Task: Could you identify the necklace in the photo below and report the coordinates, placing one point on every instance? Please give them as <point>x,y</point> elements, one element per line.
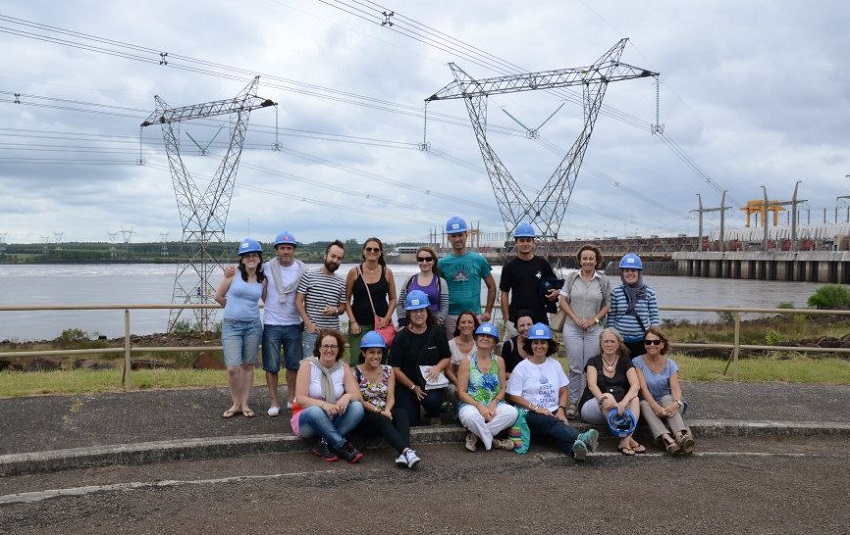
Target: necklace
<point>609,366</point>
<point>370,270</point>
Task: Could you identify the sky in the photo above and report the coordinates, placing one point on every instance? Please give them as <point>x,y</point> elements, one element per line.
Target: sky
<point>750,94</point>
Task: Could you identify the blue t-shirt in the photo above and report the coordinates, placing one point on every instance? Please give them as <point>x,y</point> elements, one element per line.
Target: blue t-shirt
<point>463,275</point>
<point>658,383</point>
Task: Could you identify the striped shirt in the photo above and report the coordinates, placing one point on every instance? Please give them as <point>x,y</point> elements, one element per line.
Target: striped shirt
<point>628,325</point>
<point>321,290</point>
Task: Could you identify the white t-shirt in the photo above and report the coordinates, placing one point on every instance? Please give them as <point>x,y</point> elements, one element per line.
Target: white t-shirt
<point>538,383</point>
<point>277,312</point>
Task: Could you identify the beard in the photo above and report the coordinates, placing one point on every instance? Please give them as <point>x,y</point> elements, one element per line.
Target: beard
<point>331,266</point>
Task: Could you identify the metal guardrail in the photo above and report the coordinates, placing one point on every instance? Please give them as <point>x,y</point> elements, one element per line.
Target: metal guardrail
<point>736,346</point>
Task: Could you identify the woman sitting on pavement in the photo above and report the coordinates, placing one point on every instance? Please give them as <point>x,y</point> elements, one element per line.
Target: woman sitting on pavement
<point>463,342</point>
<point>241,328</point>
<point>662,395</point>
<point>419,355</point>
<point>539,385</point>
<point>377,389</point>
<point>327,400</point>
<point>513,350</point>
<point>612,383</point>
<point>481,392</point>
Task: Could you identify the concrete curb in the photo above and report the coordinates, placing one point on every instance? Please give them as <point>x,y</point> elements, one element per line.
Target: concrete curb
<point>235,446</point>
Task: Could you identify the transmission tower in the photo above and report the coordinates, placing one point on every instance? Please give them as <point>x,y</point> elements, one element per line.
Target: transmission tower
<point>112,236</point>
<point>546,210</point>
<point>2,243</point>
<point>163,237</point>
<point>203,212</point>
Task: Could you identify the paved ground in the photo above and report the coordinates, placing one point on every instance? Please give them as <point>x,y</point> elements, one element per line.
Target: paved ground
<point>48,433</point>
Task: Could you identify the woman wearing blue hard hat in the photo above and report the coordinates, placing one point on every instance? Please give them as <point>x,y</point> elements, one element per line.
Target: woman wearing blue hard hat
<point>538,384</point>
<point>419,356</point>
<point>634,306</point>
<point>241,328</point>
<point>481,393</point>
<point>612,384</point>
<point>377,390</point>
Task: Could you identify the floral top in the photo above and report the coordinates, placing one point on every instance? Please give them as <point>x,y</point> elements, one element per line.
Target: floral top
<point>374,393</point>
<point>483,387</point>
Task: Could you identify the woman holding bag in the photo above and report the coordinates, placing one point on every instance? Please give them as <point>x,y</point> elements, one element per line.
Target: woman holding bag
<point>370,296</point>
<point>419,355</point>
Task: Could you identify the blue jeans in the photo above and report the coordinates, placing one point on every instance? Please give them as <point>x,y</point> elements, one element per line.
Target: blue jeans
<point>287,336</point>
<point>240,341</point>
<point>315,421</point>
<point>308,343</point>
<point>562,435</point>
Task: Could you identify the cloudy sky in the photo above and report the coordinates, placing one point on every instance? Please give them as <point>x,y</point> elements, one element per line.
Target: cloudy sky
<point>751,93</point>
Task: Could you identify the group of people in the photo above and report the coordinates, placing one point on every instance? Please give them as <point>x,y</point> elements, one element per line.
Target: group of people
<point>445,349</point>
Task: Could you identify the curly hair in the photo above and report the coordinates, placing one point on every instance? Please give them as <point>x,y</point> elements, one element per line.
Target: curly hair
<point>340,342</point>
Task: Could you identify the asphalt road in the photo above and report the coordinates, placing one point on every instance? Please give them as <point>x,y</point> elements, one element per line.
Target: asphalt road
<point>781,485</point>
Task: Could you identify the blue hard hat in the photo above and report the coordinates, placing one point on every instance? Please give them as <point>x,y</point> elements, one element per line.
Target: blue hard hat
<point>524,230</point>
<point>621,425</point>
<point>285,238</point>
<point>631,261</point>
<point>456,225</point>
<point>539,331</point>
<point>372,339</point>
<point>416,300</point>
<point>488,329</point>
<point>249,246</point>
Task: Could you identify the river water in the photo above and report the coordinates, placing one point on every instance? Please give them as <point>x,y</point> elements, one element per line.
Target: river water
<point>153,284</point>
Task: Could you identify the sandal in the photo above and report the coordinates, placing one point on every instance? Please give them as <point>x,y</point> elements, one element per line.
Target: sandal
<point>686,442</point>
<point>230,413</point>
<point>626,450</point>
<point>636,446</point>
<point>247,413</point>
<point>670,445</point>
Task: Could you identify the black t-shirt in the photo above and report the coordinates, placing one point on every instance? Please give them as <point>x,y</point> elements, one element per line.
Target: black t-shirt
<point>361,306</point>
<point>410,350</point>
<point>510,352</point>
<point>617,385</point>
<point>522,279</point>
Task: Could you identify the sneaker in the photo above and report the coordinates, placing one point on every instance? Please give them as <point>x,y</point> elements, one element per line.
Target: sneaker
<point>322,450</point>
<point>412,459</point>
<point>503,444</point>
<point>401,460</point>
<point>590,439</point>
<point>520,433</point>
<point>579,450</point>
<point>471,442</point>
<point>350,453</point>
<point>274,411</point>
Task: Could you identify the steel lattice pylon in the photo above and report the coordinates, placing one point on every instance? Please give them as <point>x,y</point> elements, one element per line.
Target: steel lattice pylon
<point>203,214</point>
<point>546,210</point>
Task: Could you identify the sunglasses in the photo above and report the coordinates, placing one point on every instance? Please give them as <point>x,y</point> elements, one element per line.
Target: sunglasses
<point>424,259</point>
<point>372,249</point>
<point>653,342</point>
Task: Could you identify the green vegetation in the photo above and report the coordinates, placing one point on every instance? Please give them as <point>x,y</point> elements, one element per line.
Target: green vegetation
<point>830,297</point>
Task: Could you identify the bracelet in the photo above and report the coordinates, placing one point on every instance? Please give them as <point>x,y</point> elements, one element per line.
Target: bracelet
<point>413,386</point>
<point>596,320</point>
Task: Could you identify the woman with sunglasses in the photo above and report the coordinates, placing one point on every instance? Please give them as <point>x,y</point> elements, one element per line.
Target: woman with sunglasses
<point>241,328</point>
<point>612,383</point>
<point>369,294</point>
<point>661,394</point>
<point>538,384</point>
<point>430,281</point>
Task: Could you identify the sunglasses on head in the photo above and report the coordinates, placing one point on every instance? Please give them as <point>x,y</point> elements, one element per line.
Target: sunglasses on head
<point>653,342</point>
<point>424,259</point>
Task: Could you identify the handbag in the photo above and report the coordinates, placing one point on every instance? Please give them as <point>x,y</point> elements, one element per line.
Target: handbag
<point>388,331</point>
<point>557,323</point>
<point>433,384</point>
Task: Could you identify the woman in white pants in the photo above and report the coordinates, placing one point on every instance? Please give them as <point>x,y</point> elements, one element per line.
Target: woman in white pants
<point>585,298</point>
<point>481,393</point>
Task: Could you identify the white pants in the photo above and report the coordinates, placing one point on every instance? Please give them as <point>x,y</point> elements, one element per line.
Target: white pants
<point>471,419</point>
<point>581,346</point>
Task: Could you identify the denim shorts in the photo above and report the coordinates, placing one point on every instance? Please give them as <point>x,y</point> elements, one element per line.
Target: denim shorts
<point>241,341</point>
<point>289,338</point>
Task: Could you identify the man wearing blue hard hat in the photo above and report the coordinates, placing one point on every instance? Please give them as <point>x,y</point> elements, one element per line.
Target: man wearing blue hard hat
<point>528,281</point>
<point>464,270</point>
